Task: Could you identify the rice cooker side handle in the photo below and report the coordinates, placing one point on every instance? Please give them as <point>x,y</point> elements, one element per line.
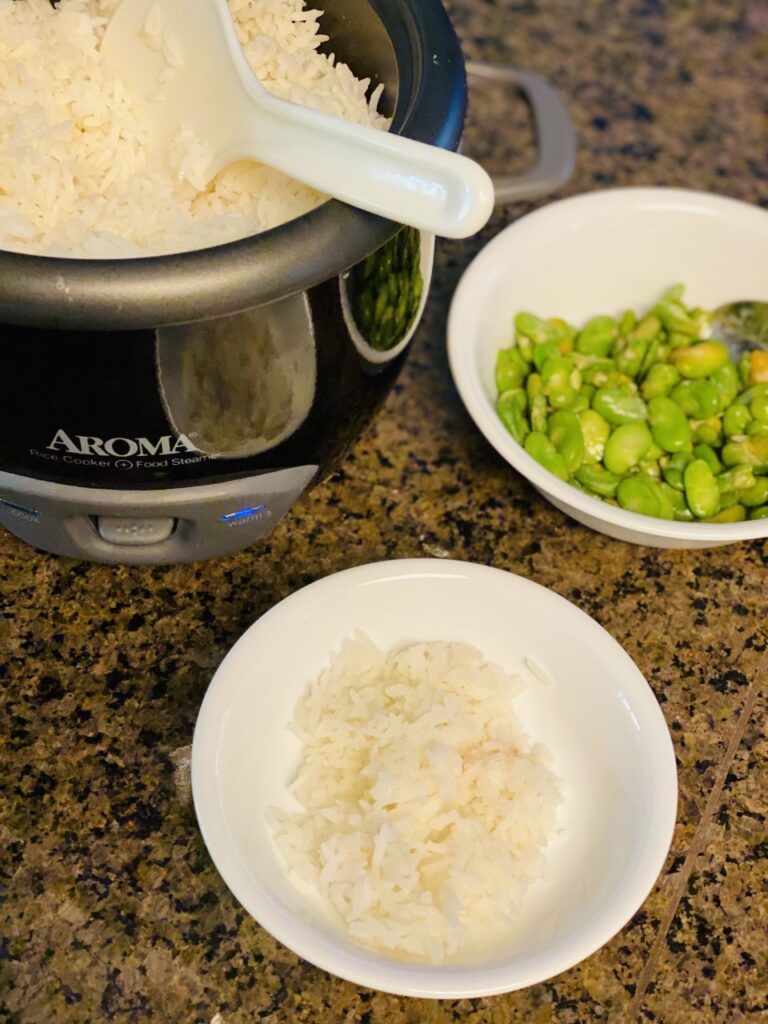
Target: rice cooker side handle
<point>555,134</point>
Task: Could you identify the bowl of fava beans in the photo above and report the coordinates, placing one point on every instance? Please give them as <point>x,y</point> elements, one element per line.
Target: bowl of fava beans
<point>582,341</point>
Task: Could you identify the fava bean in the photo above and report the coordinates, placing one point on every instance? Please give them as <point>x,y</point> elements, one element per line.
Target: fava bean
<point>538,330</point>
<point>757,494</point>
<point>757,428</point>
<point>630,358</point>
<point>618,406</point>
<point>626,446</point>
<point>564,431</point>
<point>726,382</point>
<point>597,479</point>
<point>733,514</point>
<point>697,398</point>
<point>672,469</point>
<point>541,448</point>
<point>511,407</point>
<point>538,413</point>
<point>708,431</point>
<point>561,381</point>
<point>700,360</point>
<point>709,455</point>
<point>735,419</point>
<point>511,369</point>
<point>738,478</point>
<point>701,490</point>
<point>669,425</point>
<point>595,431</point>
<point>543,351</point>
<point>759,513</point>
<point>660,380</point>
<point>638,495</point>
<point>597,336</point>
<point>751,451</point>
<point>757,364</point>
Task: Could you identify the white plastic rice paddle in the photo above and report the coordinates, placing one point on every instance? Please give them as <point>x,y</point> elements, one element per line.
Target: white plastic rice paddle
<point>184,63</point>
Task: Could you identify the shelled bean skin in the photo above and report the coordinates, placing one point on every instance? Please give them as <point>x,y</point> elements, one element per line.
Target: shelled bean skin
<point>644,412</point>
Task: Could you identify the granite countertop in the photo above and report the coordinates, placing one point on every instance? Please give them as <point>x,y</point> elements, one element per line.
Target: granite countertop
<point>111,909</point>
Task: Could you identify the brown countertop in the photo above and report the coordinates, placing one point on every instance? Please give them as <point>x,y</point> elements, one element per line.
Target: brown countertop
<point>111,909</point>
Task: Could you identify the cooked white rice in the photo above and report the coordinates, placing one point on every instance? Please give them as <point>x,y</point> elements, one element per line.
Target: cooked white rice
<point>426,808</point>
<point>74,179</point>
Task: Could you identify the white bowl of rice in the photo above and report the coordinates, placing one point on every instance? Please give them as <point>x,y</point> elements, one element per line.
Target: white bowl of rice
<point>477,792</point>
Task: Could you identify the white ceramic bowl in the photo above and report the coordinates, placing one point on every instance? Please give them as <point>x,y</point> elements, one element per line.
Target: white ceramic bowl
<point>603,252</point>
<point>598,716</point>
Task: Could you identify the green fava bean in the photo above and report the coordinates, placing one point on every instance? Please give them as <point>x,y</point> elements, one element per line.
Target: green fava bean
<point>737,478</point>
<point>669,425</point>
<point>561,381</point>
<point>539,447</point>
<point>638,495</point>
<point>649,467</point>
<point>708,431</point>
<point>759,408</point>
<point>736,419</point>
<point>538,413</point>
<point>751,451</point>
<point>543,352</point>
<point>627,322</point>
<point>583,400</point>
<point>700,360</point>
<point>626,446</point>
<point>709,455</point>
<point>630,359</point>
<point>534,386</point>
<point>597,336</point>
<point>511,369</point>
<point>619,406</point>
<point>701,490</point>
<point>726,383</point>
<point>597,479</point>
<point>660,380</point>
<point>666,504</point>
<point>757,429</point>
<point>647,329</point>
<point>759,513</point>
<point>672,469</point>
<point>510,407</point>
<point>732,514</point>
<point>595,431</point>
<point>598,371</point>
<point>564,431</point>
<point>756,495</point>
<point>673,499</point>
<point>538,330</point>
<point>697,398</point>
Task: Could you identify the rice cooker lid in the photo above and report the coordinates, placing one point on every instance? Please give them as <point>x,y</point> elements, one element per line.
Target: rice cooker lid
<point>153,291</point>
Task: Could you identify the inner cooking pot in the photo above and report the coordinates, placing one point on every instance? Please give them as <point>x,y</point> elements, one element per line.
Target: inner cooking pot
<point>412,49</point>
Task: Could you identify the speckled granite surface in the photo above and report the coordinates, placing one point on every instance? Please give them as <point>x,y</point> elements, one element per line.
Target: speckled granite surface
<point>111,909</point>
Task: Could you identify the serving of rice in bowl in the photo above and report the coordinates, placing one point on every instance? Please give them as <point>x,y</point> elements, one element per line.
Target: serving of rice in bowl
<point>74,176</point>
<point>434,778</point>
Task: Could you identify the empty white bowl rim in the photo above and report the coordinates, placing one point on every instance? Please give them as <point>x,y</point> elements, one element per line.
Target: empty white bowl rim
<point>469,302</point>
<point>366,968</point>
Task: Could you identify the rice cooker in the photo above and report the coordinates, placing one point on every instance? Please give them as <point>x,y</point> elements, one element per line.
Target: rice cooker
<point>173,408</point>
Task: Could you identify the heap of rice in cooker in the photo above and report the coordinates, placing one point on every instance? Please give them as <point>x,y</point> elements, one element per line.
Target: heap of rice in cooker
<point>426,808</point>
<point>74,179</point>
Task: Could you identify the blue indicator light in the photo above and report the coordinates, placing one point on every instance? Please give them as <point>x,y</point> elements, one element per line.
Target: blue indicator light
<point>243,512</point>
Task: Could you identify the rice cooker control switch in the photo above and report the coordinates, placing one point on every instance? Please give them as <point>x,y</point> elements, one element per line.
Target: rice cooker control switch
<point>134,530</point>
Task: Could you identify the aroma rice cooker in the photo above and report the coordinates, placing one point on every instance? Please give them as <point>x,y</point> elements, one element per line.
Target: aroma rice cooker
<point>172,408</point>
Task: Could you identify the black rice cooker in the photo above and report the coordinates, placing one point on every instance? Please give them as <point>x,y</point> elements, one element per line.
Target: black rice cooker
<point>172,408</point>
